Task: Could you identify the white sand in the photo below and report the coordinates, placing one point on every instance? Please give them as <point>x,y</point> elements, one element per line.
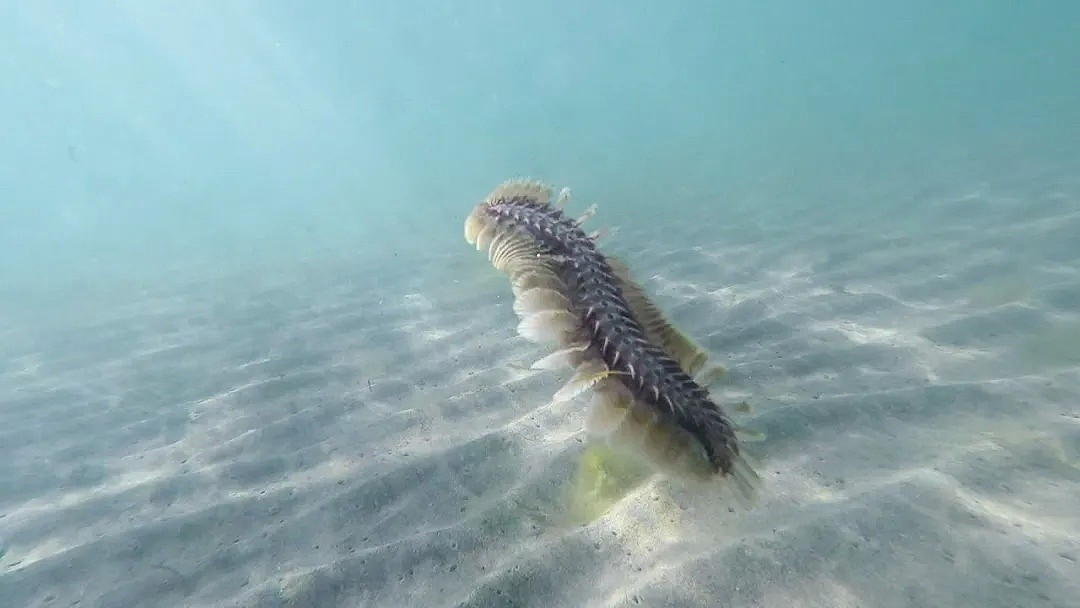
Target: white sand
<point>348,436</point>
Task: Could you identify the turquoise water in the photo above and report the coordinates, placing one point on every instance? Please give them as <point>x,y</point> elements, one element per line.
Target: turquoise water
<point>142,135</point>
<point>247,358</point>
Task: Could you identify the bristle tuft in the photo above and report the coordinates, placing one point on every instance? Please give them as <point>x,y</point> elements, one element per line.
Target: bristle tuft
<point>549,326</point>
<point>521,189</point>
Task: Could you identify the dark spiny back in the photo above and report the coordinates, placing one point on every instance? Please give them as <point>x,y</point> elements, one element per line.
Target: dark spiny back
<point>647,370</point>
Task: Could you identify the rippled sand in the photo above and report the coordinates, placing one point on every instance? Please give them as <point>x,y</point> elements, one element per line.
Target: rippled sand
<point>350,434</point>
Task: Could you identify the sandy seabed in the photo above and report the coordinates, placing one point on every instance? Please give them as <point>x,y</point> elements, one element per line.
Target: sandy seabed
<point>359,434</point>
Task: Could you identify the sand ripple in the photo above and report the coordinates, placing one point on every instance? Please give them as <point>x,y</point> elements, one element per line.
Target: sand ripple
<point>344,435</point>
